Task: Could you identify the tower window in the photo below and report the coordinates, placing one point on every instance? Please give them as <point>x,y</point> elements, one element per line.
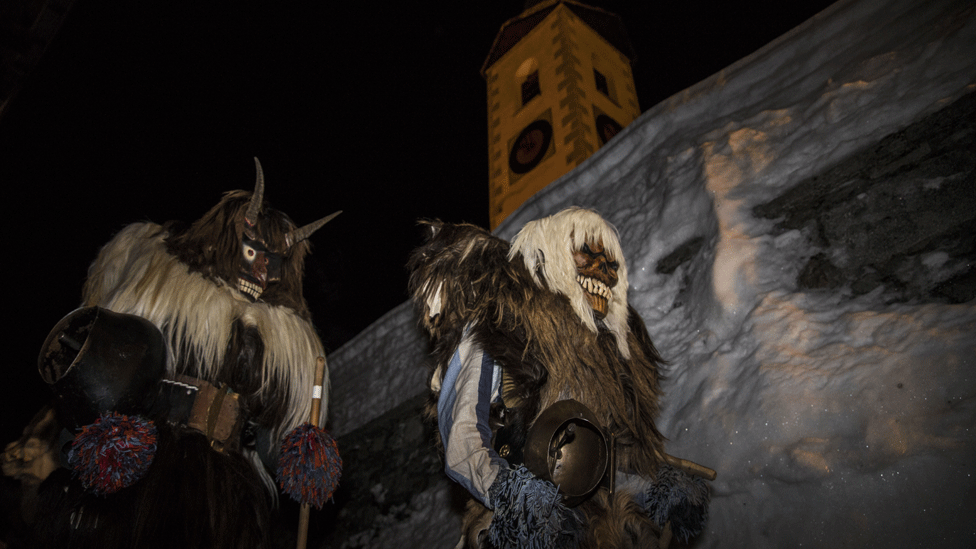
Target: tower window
<point>601,83</point>
<point>530,87</point>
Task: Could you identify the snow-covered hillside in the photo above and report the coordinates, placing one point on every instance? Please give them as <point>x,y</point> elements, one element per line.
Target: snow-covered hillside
<point>833,419</point>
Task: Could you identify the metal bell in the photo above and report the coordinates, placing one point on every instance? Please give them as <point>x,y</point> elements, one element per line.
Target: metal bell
<point>567,447</point>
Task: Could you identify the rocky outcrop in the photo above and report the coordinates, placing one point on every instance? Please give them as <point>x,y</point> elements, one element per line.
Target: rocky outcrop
<point>899,217</point>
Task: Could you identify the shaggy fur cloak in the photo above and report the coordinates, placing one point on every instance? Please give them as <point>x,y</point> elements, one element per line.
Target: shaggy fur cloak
<point>183,280</point>
<point>465,278</point>
<point>265,352</point>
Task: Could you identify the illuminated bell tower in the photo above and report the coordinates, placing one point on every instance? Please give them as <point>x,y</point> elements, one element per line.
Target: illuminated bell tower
<point>559,86</point>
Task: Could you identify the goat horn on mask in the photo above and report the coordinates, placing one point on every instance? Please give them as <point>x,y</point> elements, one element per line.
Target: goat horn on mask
<point>302,233</point>
<point>254,207</point>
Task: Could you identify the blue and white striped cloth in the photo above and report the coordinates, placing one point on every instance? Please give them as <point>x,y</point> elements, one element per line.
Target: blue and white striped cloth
<point>470,385</point>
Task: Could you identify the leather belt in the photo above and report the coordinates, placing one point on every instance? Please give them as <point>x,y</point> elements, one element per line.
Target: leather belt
<point>214,410</point>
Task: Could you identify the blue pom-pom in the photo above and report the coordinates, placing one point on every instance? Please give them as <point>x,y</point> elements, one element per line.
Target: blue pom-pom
<point>678,498</point>
<point>113,453</point>
<point>529,513</point>
<point>309,466</point>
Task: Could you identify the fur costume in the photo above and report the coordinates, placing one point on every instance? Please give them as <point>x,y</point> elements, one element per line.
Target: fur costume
<point>524,307</point>
<point>253,337</point>
<point>209,325</point>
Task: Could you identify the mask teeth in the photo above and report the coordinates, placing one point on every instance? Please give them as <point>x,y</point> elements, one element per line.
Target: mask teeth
<point>594,286</point>
<point>249,288</point>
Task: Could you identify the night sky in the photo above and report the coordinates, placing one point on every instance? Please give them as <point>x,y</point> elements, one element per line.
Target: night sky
<point>150,110</point>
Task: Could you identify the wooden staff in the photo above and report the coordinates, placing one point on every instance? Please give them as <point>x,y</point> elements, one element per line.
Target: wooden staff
<point>690,467</point>
<point>303,514</point>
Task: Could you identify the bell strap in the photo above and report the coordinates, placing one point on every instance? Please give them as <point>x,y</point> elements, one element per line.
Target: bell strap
<point>214,410</point>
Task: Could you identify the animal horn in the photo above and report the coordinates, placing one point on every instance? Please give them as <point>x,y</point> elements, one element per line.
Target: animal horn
<point>251,216</point>
<point>302,233</point>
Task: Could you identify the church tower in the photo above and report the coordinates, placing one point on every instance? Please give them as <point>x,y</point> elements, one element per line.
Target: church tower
<point>559,86</point>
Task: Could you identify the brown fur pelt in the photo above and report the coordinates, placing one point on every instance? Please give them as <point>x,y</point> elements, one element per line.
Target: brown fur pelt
<point>580,365</point>
<point>617,522</point>
<point>456,278</point>
<point>465,278</point>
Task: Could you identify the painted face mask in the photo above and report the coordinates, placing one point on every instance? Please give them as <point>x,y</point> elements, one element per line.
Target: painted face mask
<point>596,274</point>
<point>260,265</point>
<point>259,268</point>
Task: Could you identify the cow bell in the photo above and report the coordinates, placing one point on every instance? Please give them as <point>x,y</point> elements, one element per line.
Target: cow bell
<point>567,447</point>
<point>98,361</point>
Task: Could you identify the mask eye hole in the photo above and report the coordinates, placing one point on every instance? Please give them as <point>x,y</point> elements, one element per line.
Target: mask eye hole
<point>249,253</point>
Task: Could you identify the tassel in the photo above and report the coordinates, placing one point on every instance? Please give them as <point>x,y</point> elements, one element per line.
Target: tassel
<point>309,466</point>
<point>678,498</point>
<point>113,453</point>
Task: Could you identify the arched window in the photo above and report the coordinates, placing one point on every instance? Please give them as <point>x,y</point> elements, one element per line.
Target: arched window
<point>528,77</point>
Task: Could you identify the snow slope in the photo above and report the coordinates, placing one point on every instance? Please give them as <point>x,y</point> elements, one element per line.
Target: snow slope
<point>832,420</point>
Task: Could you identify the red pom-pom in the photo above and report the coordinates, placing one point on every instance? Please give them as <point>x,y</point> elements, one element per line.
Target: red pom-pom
<point>114,452</point>
<point>309,466</point>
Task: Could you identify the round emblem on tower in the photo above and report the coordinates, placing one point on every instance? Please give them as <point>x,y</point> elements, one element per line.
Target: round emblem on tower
<point>530,147</point>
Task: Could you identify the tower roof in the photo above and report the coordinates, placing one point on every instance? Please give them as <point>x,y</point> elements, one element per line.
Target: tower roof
<point>606,24</point>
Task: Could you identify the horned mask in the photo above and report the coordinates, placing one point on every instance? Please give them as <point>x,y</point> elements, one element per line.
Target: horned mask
<point>260,262</point>
<point>244,242</point>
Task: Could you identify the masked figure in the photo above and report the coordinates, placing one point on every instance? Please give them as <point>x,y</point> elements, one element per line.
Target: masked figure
<point>227,294</point>
<point>236,364</point>
<point>545,388</point>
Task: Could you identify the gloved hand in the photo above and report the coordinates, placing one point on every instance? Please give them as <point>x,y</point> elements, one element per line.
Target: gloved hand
<point>530,513</point>
<point>678,498</point>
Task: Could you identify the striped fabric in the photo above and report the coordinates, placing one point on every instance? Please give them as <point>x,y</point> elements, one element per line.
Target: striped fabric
<point>470,385</point>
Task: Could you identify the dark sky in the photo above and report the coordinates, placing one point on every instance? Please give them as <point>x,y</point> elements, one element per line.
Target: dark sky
<point>150,110</point>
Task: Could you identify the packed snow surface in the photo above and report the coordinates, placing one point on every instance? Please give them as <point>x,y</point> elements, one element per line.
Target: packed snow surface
<point>832,420</point>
